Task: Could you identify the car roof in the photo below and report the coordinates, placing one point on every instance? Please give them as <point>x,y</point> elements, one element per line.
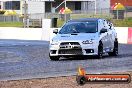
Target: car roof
<point>84,19</point>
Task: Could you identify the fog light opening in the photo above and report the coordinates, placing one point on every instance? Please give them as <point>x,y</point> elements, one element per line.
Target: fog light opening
<point>89,50</point>
<point>53,51</point>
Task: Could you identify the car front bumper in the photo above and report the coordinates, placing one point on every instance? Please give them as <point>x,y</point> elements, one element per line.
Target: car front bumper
<point>85,49</point>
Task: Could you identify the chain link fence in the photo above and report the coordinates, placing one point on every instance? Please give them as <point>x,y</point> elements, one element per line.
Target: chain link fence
<point>35,20</point>
<point>106,13</point>
<point>14,18</point>
<point>99,13</point>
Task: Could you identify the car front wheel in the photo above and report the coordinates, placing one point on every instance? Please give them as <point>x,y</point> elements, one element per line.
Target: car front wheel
<point>100,51</point>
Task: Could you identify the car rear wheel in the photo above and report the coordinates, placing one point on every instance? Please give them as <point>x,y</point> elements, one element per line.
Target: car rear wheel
<point>115,50</point>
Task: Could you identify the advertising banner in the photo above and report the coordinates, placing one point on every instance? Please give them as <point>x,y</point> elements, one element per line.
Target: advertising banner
<point>129,36</point>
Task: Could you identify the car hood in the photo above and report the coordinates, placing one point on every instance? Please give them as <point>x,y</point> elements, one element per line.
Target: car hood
<point>75,37</point>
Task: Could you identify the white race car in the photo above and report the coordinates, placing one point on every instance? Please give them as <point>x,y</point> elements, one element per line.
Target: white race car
<point>82,37</point>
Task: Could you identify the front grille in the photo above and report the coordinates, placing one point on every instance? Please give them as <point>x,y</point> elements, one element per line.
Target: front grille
<point>71,51</point>
<point>71,43</point>
<point>70,47</point>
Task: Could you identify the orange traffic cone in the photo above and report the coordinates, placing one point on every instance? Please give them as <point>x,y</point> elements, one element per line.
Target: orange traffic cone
<point>81,71</point>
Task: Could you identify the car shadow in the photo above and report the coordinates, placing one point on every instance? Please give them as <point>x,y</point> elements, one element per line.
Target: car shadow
<point>95,58</point>
<point>79,58</point>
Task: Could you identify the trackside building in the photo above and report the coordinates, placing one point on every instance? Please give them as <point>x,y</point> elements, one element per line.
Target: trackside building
<point>42,6</point>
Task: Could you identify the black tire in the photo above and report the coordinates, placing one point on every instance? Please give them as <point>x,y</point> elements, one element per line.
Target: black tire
<point>81,80</point>
<point>115,50</point>
<point>100,51</point>
<point>54,58</point>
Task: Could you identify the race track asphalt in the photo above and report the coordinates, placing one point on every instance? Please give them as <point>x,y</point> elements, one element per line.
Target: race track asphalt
<point>22,59</point>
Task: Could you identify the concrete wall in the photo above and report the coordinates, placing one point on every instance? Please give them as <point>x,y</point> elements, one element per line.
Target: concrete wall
<point>124,34</point>
<point>35,7</point>
<point>101,5</point>
<point>21,33</point>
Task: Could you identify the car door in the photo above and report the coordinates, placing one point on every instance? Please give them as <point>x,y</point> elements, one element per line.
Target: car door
<point>109,39</point>
<point>110,36</point>
<point>104,35</point>
<point>105,39</point>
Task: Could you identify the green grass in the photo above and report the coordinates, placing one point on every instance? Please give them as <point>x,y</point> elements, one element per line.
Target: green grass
<point>78,16</point>
<point>11,24</point>
<point>127,22</point>
<point>122,23</point>
<point>60,23</point>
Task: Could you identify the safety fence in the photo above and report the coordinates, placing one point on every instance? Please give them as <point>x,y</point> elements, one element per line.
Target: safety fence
<point>91,13</point>
<point>35,20</point>
<point>14,18</point>
<point>103,13</point>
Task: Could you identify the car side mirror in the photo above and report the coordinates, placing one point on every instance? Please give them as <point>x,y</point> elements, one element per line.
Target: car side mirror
<point>55,31</point>
<point>103,30</point>
<point>110,25</point>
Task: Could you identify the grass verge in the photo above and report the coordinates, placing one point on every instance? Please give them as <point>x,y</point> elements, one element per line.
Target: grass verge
<point>11,24</point>
<point>127,22</point>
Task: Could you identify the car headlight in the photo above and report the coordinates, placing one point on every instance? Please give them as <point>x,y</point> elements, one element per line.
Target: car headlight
<point>54,42</point>
<point>88,41</point>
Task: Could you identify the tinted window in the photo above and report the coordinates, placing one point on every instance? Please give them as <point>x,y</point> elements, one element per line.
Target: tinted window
<point>79,27</point>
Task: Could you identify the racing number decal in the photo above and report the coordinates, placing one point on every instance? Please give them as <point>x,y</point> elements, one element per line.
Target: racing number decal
<point>129,36</point>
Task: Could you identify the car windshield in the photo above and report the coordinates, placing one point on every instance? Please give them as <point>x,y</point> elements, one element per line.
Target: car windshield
<point>79,27</point>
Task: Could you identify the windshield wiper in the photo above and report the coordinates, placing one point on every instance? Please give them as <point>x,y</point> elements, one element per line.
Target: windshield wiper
<point>74,34</point>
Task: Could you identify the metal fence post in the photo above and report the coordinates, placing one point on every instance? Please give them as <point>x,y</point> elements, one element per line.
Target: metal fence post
<point>44,9</point>
<point>126,13</point>
<point>110,14</point>
<point>25,7</point>
<point>101,12</point>
<point>117,14</point>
